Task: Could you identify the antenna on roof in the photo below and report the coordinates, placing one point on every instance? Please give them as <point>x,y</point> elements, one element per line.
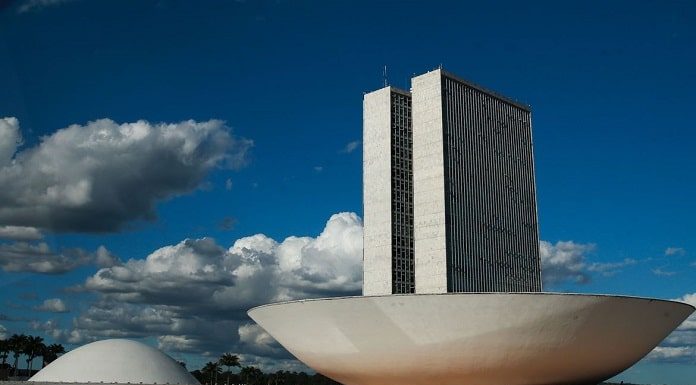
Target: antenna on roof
<point>384,76</point>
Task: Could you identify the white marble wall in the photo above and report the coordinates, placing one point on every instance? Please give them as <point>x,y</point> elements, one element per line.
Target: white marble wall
<point>428,184</point>
<point>377,275</point>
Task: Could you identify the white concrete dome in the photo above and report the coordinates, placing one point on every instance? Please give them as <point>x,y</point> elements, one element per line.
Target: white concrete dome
<point>115,361</point>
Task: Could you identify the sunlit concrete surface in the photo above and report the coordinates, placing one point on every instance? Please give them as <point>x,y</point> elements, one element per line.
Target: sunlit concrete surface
<point>115,361</point>
<point>481,339</point>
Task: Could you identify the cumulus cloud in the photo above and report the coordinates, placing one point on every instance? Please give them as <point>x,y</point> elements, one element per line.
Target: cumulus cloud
<point>679,354</point>
<point>256,341</point>
<point>690,323</point>
<point>194,295</point>
<point>52,328</point>
<point>350,147</point>
<point>3,332</point>
<point>566,261</point>
<point>99,176</point>
<point>20,233</point>
<point>39,258</point>
<point>255,269</point>
<point>53,305</point>
<point>104,258</point>
<point>10,139</point>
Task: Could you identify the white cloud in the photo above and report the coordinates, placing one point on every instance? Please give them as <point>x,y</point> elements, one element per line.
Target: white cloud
<point>318,168</point>
<point>53,305</point>
<point>609,269</point>
<point>194,295</point>
<point>673,354</point>
<point>255,269</point>
<point>257,341</point>
<point>663,273</point>
<point>52,328</point>
<point>10,139</point>
<point>674,251</point>
<point>39,258</point>
<point>680,345</point>
<point>690,323</point>
<point>104,258</point>
<point>20,233</point>
<point>685,335</point>
<point>350,147</point>
<point>178,343</point>
<point>101,175</point>
<point>3,332</point>
<point>564,261</point>
<point>35,5</point>
<point>228,184</point>
<point>273,364</point>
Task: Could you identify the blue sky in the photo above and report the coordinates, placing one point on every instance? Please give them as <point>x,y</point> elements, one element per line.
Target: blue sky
<point>273,91</point>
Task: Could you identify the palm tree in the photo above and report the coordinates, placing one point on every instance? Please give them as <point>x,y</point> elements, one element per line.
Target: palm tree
<point>17,343</point>
<point>250,374</point>
<point>212,369</point>
<point>4,351</point>
<point>33,348</point>
<point>51,352</point>
<point>229,360</point>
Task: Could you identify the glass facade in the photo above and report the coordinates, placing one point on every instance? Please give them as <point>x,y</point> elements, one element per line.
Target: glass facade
<point>403,272</point>
<point>490,198</point>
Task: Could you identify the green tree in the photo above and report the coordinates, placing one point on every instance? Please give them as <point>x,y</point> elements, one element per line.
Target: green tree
<point>212,369</point>
<point>4,350</point>
<point>50,353</point>
<point>251,375</point>
<point>33,348</point>
<point>17,343</point>
<point>229,360</point>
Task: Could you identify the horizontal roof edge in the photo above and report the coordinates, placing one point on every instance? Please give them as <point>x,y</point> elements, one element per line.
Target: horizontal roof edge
<point>496,95</point>
<point>393,89</point>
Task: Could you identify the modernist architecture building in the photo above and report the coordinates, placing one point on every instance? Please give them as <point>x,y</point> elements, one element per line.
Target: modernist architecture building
<point>450,207</point>
<point>449,193</point>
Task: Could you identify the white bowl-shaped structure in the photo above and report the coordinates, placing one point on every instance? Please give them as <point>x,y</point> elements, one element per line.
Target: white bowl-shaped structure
<point>115,361</point>
<point>481,339</point>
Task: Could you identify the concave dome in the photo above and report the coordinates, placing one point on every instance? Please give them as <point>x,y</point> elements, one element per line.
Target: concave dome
<point>115,361</point>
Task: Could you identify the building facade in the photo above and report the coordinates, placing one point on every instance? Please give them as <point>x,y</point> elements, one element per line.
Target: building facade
<point>389,266</point>
<point>449,192</point>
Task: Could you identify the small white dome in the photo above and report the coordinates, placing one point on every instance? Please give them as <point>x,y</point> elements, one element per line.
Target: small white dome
<point>116,361</point>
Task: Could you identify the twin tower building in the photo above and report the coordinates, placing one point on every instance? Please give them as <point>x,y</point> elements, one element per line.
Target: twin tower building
<point>449,192</point>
